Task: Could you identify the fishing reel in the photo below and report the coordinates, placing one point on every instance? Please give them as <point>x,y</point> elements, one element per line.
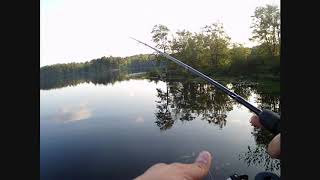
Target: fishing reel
<point>238,177</point>
<point>259,176</point>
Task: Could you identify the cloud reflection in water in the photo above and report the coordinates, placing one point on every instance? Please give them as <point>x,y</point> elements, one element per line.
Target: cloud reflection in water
<point>72,113</point>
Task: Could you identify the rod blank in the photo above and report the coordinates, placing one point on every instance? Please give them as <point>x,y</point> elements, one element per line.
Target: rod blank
<point>208,79</point>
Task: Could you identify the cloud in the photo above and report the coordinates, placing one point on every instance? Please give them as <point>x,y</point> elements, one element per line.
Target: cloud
<point>131,94</point>
<point>72,113</point>
<point>139,119</point>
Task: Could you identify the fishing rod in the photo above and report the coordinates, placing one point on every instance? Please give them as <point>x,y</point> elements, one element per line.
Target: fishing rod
<point>269,119</point>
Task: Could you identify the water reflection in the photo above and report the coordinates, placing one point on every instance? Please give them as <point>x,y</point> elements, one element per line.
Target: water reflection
<point>69,114</point>
<point>267,98</point>
<point>139,119</point>
<point>268,94</point>
<point>185,101</point>
<point>55,82</point>
<point>258,156</point>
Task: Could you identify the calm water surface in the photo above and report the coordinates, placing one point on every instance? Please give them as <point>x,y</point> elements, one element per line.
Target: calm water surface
<point>117,130</point>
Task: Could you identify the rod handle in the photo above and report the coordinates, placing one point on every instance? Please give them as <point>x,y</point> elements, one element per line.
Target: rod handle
<point>270,120</point>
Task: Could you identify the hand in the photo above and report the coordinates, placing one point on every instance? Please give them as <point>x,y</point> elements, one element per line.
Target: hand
<point>274,145</point>
<point>178,171</point>
<point>254,120</point>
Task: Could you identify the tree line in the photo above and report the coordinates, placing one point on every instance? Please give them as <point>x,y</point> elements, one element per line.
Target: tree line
<point>212,51</point>
<point>100,67</point>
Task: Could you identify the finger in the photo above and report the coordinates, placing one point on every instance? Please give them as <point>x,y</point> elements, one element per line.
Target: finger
<point>158,165</point>
<point>255,121</point>
<point>200,168</point>
<point>151,171</point>
<point>254,118</point>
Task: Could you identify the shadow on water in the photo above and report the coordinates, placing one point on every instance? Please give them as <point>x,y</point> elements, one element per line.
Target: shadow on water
<point>185,100</point>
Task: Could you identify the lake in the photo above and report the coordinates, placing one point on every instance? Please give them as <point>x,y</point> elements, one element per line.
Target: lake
<point>116,128</point>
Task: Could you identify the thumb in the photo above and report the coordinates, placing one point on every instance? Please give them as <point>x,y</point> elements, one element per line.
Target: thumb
<point>200,168</point>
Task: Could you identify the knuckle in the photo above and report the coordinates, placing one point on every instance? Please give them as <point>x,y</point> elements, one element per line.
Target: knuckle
<point>161,164</point>
<point>202,168</point>
<point>177,165</point>
<point>158,165</point>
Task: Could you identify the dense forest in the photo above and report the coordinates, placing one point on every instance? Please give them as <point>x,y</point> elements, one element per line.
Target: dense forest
<point>96,69</point>
<point>210,51</point>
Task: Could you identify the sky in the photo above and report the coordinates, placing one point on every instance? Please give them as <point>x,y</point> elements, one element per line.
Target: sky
<point>82,30</point>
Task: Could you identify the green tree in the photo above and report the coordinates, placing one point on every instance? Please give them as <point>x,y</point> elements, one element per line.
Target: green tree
<point>185,47</point>
<point>160,36</point>
<point>217,42</point>
<point>238,56</point>
<point>266,28</point>
<point>239,53</point>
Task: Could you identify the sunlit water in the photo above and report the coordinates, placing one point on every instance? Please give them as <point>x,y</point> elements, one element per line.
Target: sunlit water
<point>110,132</point>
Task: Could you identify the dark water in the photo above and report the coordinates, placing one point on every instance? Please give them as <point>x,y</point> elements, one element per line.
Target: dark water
<point>115,128</point>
